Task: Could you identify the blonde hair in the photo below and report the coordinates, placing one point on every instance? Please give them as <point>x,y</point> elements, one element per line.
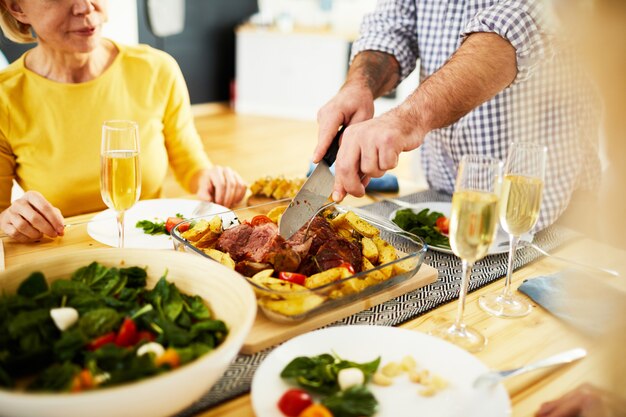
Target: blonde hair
<point>12,28</point>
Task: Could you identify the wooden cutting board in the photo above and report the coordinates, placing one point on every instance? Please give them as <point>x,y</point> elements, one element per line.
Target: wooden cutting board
<point>266,333</point>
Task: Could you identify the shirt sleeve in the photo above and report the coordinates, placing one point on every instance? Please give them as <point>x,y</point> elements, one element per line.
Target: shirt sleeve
<point>521,23</point>
<point>7,159</point>
<point>184,146</point>
<point>391,28</point>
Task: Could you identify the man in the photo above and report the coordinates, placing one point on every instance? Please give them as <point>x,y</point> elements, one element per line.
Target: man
<point>490,75</point>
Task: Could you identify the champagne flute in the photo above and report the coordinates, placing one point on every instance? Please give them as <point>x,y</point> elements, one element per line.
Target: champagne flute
<point>522,187</point>
<point>120,178</point>
<point>473,225</point>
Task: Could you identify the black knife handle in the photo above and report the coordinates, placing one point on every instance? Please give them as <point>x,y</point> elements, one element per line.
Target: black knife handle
<point>331,153</point>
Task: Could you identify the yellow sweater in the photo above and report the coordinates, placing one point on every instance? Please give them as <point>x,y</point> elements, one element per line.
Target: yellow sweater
<point>50,132</point>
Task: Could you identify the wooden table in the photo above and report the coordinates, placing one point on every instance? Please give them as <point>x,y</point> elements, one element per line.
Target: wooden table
<point>511,342</point>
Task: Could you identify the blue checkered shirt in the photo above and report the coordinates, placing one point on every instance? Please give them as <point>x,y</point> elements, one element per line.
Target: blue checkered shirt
<point>537,107</point>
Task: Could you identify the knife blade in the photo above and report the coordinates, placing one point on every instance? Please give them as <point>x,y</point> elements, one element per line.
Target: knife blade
<point>313,194</point>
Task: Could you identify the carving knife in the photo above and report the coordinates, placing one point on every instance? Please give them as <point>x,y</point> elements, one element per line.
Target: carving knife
<point>313,194</point>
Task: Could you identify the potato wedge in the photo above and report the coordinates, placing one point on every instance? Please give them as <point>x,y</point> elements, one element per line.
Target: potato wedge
<point>351,286</point>
<point>292,306</point>
<point>369,249</point>
<point>265,280</point>
<point>221,257</point>
<point>215,224</point>
<point>386,254</point>
<point>275,213</point>
<point>208,240</point>
<point>361,225</point>
<point>404,266</point>
<point>339,221</point>
<point>326,277</point>
<point>197,231</point>
<point>373,277</point>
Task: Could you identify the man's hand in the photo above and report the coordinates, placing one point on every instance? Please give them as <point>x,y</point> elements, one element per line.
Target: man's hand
<point>371,75</point>
<point>370,148</point>
<point>354,103</point>
<point>584,401</point>
<point>221,185</point>
<point>30,217</point>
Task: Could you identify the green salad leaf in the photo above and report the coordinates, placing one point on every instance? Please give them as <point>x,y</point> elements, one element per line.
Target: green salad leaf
<point>422,224</point>
<point>319,373</point>
<point>355,401</point>
<point>152,228</point>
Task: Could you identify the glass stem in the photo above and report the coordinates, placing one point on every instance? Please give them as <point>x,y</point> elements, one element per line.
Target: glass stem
<point>467,272</point>
<point>120,229</point>
<point>513,241</point>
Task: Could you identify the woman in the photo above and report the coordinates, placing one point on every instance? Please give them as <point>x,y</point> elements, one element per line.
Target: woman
<point>54,100</point>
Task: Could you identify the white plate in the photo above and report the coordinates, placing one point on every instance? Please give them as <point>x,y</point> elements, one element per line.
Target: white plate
<point>105,231</point>
<point>365,343</point>
<point>500,243</point>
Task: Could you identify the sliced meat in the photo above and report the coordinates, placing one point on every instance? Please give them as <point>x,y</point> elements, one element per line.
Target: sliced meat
<point>335,252</point>
<point>284,260</point>
<point>320,232</point>
<point>263,240</point>
<point>249,269</point>
<point>234,240</point>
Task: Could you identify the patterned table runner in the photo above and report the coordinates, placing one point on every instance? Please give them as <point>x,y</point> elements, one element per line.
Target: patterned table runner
<point>238,377</point>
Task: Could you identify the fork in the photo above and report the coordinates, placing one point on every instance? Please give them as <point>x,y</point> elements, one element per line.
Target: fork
<point>202,208</point>
<point>493,377</point>
<point>392,200</point>
<point>524,243</point>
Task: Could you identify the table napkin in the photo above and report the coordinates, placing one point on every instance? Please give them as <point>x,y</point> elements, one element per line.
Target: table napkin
<point>386,183</point>
<point>585,302</point>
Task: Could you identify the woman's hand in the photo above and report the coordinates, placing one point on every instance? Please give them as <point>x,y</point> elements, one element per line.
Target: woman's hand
<point>30,217</point>
<point>221,185</point>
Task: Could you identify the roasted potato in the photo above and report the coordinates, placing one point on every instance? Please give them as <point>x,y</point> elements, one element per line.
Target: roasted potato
<point>360,225</point>
<point>197,231</point>
<point>386,254</point>
<point>373,277</point>
<point>370,251</point>
<point>293,306</point>
<point>326,277</point>
<point>404,266</point>
<point>275,213</point>
<point>220,257</point>
<point>215,224</point>
<point>208,240</point>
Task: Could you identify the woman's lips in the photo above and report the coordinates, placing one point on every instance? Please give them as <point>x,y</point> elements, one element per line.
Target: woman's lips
<point>85,31</point>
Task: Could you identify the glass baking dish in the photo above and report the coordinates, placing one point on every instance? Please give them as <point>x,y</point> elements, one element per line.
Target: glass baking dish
<point>281,305</point>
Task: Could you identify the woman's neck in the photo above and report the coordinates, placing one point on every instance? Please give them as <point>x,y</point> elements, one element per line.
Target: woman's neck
<point>71,68</point>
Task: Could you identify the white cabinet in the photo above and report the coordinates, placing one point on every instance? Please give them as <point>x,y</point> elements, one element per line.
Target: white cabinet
<point>288,74</point>
<point>293,74</point>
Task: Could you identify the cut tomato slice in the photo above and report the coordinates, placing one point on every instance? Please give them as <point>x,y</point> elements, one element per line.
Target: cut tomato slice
<point>260,219</point>
<point>292,277</point>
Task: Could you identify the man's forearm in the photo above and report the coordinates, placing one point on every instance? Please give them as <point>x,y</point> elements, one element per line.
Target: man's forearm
<point>483,66</point>
<point>377,71</point>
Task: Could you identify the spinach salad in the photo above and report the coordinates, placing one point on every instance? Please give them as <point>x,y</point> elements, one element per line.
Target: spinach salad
<point>101,327</point>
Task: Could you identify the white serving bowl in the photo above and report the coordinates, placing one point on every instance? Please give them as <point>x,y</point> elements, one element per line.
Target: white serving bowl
<point>229,296</point>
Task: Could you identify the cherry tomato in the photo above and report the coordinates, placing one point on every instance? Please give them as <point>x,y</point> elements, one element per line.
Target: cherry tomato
<point>292,277</point>
<point>260,219</point>
<point>293,402</point>
<point>145,335</point>
<point>100,341</point>
<point>443,224</point>
<point>171,222</point>
<point>348,266</point>
<point>170,358</point>
<point>127,335</point>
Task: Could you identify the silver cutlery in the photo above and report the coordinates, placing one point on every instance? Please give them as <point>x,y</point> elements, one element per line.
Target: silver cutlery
<point>204,207</point>
<point>392,200</point>
<point>72,224</point>
<point>524,243</point>
<point>494,377</point>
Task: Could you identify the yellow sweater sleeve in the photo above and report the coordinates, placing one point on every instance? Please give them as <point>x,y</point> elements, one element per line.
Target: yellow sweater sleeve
<point>184,146</point>
<point>7,162</point>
